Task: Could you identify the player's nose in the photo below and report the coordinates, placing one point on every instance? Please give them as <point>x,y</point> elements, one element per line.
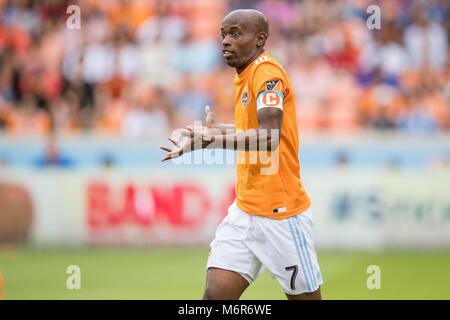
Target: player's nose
<point>226,42</point>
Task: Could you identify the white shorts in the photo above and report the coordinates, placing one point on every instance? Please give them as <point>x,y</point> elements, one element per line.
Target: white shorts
<point>247,244</point>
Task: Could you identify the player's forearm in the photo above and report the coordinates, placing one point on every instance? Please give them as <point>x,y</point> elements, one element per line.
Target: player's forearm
<point>226,128</point>
<point>250,140</point>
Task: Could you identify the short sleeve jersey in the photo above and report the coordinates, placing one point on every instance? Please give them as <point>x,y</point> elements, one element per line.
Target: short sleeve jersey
<point>268,183</point>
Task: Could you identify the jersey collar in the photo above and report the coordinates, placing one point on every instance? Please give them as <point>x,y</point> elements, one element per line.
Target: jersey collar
<point>244,73</point>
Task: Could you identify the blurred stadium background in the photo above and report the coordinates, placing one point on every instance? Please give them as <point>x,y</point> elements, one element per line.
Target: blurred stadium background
<point>84,111</point>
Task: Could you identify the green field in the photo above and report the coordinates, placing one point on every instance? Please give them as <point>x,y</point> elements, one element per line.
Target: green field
<point>180,274</point>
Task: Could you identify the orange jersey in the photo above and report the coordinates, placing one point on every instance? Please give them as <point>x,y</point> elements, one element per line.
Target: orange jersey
<point>268,183</point>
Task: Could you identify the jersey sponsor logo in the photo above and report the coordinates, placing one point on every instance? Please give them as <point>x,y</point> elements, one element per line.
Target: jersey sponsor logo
<point>271,84</point>
<point>245,99</point>
<point>270,98</point>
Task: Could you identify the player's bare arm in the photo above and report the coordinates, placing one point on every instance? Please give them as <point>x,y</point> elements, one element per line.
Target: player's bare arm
<point>266,137</point>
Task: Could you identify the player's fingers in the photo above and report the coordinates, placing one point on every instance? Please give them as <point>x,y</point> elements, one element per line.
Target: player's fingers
<point>172,155</point>
<point>188,132</point>
<point>174,142</point>
<point>166,158</point>
<point>209,118</point>
<point>165,149</point>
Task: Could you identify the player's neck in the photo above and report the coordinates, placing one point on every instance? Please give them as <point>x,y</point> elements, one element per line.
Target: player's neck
<point>256,55</point>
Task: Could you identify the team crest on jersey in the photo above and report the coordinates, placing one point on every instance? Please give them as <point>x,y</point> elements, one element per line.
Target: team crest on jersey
<point>271,84</point>
<point>245,99</point>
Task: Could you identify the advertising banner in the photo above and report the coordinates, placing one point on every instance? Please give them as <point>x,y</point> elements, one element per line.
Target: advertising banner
<point>182,206</point>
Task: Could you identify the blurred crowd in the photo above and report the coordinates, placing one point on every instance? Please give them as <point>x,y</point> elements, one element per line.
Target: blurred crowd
<point>145,67</point>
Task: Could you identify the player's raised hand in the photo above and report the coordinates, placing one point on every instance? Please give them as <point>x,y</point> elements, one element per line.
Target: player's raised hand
<point>172,153</point>
<point>210,118</point>
<point>198,135</point>
<point>195,140</point>
<point>208,126</point>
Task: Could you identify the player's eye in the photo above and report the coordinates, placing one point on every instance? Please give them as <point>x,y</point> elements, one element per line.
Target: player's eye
<point>235,34</point>
<point>223,35</point>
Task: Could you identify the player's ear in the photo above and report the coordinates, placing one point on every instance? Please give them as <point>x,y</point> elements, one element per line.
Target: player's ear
<point>261,39</point>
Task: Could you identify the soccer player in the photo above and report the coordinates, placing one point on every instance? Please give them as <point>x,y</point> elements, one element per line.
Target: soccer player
<point>269,224</point>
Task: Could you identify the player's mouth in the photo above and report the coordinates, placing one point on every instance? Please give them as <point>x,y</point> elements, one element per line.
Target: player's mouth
<point>227,53</point>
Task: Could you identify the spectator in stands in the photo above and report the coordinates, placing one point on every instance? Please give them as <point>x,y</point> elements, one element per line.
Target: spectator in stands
<point>149,117</point>
<point>425,40</point>
<point>327,49</point>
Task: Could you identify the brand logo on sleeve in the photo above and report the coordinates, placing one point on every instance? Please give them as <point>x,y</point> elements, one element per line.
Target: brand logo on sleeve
<point>271,84</point>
